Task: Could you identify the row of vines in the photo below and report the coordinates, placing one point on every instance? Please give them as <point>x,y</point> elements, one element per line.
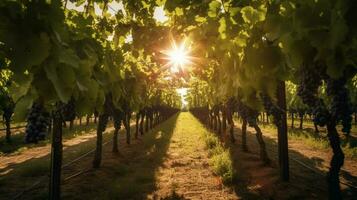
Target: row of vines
<point>58,64</point>
<point>245,54</point>
<point>274,57</point>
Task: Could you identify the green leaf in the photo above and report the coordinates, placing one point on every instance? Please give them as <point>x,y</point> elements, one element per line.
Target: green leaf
<point>69,57</point>
<point>272,27</point>
<point>62,78</point>
<point>251,15</point>
<point>171,5</point>
<point>222,28</point>
<point>338,30</point>
<point>335,65</point>
<point>23,105</point>
<point>33,52</point>
<point>214,7</point>
<point>160,2</point>
<point>200,19</point>
<point>20,85</point>
<point>234,11</point>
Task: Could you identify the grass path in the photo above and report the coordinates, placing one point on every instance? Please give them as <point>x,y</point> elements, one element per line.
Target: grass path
<point>186,168</point>
<point>171,157</point>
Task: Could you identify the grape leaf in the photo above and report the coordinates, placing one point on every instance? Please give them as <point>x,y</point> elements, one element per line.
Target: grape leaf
<point>21,84</point>
<point>251,15</point>
<point>214,7</point>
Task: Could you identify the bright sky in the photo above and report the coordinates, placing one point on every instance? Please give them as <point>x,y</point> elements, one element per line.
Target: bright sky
<point>159,14</point>
<point>182,92</point>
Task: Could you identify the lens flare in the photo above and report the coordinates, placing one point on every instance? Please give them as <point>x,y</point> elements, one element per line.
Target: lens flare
<point>178,56</point>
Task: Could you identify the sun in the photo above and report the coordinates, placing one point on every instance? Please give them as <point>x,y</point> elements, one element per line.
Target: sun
<point>178,56</point>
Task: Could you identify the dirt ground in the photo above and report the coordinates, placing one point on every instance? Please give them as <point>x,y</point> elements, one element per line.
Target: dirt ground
<point>317,158</point>
<point>169,159</point>
<point>41,151</point>
<point>171,162</point>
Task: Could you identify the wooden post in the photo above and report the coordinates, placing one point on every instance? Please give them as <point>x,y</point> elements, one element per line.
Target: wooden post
<point>56,157</point>
<point>102,124</point>
<point>8,129</point>
<point>283,133</point>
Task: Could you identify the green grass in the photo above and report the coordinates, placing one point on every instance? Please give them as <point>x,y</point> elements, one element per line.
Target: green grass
<point>310,139</point>
<point>318,141</point>
<point>350,151</point>
<point>220,158</point>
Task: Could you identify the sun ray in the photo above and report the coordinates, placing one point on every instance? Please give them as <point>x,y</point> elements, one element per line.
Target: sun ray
<point>178,56</point>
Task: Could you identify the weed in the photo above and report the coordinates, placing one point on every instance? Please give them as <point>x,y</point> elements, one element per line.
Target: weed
<point>220,158</point>
<point>222,166</point>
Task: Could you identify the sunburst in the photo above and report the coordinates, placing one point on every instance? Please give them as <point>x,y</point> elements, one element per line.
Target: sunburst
<point>178,56</point>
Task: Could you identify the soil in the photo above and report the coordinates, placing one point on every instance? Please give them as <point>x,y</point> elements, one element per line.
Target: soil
<point>37,152</point>
<point>171,162</point>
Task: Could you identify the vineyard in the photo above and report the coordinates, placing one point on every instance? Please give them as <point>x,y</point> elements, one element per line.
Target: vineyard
<point>178,99</point>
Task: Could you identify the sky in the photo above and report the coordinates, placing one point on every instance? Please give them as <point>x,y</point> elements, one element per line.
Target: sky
<point>182,92</point>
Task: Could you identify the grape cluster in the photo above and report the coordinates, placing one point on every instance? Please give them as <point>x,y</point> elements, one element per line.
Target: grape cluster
<point>271,108</point>
<point>311,79</point>
<point>37,122</point>
<point>309,84</point>
<point>340,106</point>
<point>68,110</point>
<point>320,112</point>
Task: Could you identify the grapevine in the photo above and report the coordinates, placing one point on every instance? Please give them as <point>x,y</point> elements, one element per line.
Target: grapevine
<point>78,58</point>
<point>37,123</point>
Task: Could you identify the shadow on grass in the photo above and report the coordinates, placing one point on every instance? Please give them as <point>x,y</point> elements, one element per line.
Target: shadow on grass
<point>350,142</point>
<point>256,181</point>
<point>130,175</point>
